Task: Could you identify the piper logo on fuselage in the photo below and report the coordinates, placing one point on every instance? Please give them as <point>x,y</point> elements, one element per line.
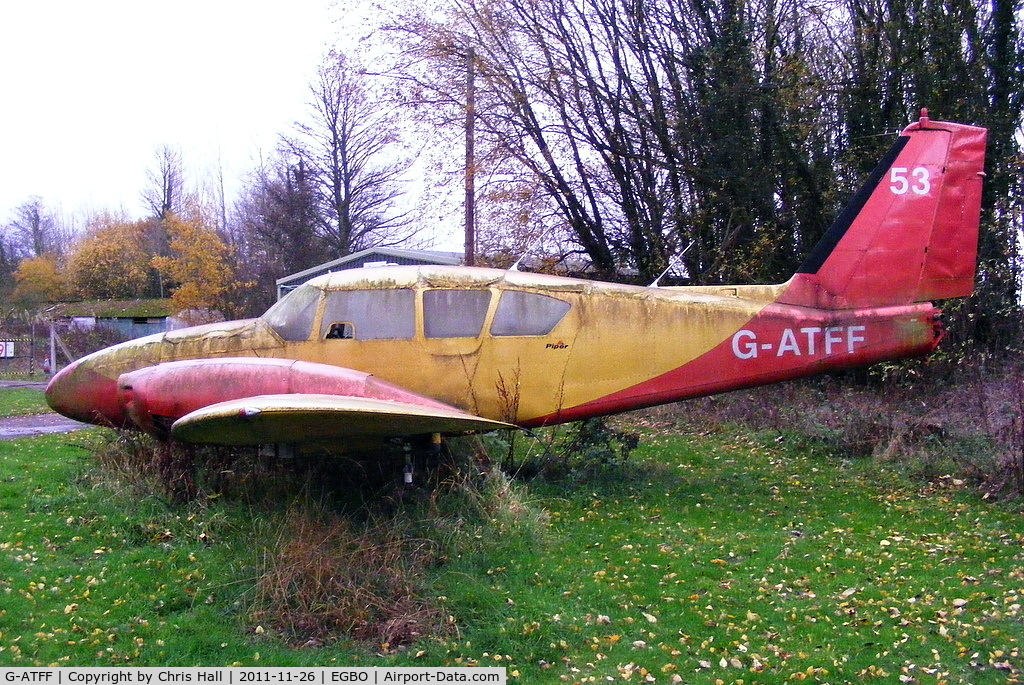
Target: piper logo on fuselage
<point>807,341</point>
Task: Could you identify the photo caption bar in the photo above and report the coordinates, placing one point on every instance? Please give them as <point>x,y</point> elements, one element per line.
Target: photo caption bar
<point>313,675</point>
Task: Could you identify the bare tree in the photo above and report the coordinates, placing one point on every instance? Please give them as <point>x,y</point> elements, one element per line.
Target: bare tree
<point>599,101</point>
<point>36,228</point>
<point>164,197</point>
<point>166,188</point>
<point>276,228</point>
<point>351,151</point>
<point>9,257</point>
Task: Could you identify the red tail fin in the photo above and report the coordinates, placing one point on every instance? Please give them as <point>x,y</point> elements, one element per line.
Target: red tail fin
<point>911,233</point>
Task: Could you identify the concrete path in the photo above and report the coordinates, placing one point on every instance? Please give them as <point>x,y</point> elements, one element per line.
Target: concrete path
<point>35,385</point>
<point>37,424</point>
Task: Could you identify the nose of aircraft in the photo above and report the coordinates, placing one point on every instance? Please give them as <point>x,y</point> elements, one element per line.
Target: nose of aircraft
<point>79,392</point>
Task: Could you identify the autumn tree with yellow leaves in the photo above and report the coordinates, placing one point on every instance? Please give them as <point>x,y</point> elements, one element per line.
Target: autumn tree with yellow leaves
<point>111,261</point>
<point>200,269</point>
<point>38,280</point>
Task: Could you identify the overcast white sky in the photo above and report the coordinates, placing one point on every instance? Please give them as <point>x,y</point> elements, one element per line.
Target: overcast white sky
<point>90,89</point>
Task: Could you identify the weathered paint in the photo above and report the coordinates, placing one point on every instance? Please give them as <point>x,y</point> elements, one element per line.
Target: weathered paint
<point>294,418</point>
<point>863,297</point>
<point>780,343</point>
<point>154,394</point>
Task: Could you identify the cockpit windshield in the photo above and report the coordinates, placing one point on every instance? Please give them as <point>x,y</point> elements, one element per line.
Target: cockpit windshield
<point>292,316</point>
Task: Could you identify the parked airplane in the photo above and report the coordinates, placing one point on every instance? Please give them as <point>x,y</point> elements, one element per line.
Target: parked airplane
<point>405,351</point>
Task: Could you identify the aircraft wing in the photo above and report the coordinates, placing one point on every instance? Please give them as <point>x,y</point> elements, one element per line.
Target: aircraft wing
<point>246,400</point>
<point>292,417</point>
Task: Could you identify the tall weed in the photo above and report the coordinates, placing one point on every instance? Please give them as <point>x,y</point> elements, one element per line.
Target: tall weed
<point>326,575</point>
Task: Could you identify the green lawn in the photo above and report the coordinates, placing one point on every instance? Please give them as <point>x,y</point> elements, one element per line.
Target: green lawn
<point>21,401</point>
<point>729,558</point>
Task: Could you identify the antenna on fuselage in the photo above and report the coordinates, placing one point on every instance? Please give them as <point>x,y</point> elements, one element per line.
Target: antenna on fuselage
<point>675,259</point>
<point>529,248</point>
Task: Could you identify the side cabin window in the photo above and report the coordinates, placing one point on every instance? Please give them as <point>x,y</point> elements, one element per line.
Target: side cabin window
<point>454,313</point>
<point>341,330</point>
<point>369,315</point>
<point>522,313</point>
<point>292,316</point>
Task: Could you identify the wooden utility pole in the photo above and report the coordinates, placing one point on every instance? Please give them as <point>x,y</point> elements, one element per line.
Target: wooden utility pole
<point>470,160</point>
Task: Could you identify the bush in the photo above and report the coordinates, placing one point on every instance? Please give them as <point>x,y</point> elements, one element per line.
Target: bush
<point>585,450</point>
<point>326,576</point>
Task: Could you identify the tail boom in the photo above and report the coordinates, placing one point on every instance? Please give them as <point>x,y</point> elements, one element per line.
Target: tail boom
<point>781,343</point>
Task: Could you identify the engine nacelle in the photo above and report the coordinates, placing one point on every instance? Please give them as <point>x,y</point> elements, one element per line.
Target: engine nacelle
<point>156,396</point>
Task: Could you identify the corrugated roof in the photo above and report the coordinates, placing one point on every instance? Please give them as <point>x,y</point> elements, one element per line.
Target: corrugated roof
<point>385,254</point>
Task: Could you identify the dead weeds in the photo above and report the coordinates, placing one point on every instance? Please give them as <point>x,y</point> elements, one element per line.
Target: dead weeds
<point>328,576</point>
<point>933,421</point>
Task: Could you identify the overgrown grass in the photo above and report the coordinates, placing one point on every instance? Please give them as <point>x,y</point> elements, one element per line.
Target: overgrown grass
<point>703,557</point>
<point>924,421</point>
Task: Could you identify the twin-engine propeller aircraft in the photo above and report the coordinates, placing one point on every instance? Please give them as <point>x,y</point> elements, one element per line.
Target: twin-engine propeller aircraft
<point>410,351</point>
